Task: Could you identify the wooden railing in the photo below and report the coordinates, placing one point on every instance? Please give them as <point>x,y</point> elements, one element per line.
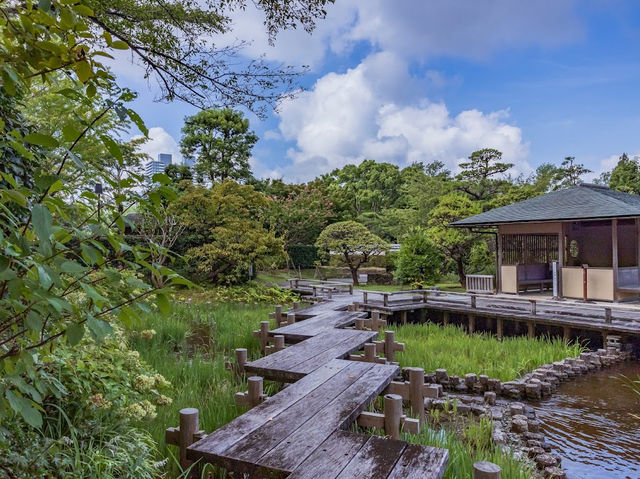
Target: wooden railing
<point>318,286</point>
<point>480,283</point>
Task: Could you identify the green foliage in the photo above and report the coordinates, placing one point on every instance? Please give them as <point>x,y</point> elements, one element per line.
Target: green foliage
<point>298,215</point>
<point>220,143</point>
<point>455,243</point>
<point>353,241</point>
<point>90,426</point>
<point>303,255</point>
<point>477,178</point>
<point>569,173</point>
<point>419,261</point>
<point>178,173</point>
<point>248,293</point>
<point>390,223</point>
<point>225,225</point>
<point>431,346</point>
<point>626,175</point>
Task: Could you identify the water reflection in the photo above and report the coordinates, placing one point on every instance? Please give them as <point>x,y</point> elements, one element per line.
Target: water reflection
<point>588,423</point>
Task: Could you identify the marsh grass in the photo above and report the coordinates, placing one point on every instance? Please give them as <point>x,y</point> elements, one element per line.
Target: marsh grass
<point>432,346</point>
<point>189,349</point>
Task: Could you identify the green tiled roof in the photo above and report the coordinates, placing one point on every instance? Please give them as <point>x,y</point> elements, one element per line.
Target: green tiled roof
<point>582,202</point>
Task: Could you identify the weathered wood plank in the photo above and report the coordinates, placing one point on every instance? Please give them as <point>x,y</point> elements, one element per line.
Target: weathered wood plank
<point>338,413</point>
<point>375,459</point>
<point>244,425</point>
<point>328,460</point>
<point>353,342</point>
<point>419,462</point>
<point>247,453</point>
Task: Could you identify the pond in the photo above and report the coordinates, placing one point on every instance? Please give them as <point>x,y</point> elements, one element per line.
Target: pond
<point>588,422</point>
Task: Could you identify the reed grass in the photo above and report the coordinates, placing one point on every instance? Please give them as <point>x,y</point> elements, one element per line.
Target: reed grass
<point>432,347</point>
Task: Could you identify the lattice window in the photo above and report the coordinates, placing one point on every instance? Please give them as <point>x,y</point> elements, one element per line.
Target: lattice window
<point>529,249</point>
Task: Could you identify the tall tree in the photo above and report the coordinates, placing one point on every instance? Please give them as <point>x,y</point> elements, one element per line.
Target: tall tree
<point>569,173</point>
<point>353,241</point>
<point>220,142</point>
<point>478,175</point>
<point>455,243</point>
<point>626,175</point>
<point>419,261</point>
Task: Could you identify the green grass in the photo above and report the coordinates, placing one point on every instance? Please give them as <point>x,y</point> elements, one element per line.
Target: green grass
<point>189,349</point>
<point>432,346</point>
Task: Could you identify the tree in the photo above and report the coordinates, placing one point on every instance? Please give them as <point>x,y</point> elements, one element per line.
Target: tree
<point>220,142</point>
<point>178,173</point>
<point>569,173</point>
<point>353,241</point>
<point>455,243</point>
<point>419,261</point>
<point>626,175</point>
<point>225,224</point>
<point>300,216</point>
<point>477,178</point>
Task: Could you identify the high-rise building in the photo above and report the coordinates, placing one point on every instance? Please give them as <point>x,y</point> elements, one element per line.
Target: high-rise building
<point>157,166</point>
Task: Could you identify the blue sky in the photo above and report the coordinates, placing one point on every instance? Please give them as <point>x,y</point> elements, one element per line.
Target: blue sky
<point>401,81</point>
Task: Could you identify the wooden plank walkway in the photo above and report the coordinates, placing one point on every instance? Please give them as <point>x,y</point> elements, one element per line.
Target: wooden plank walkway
<point>295,362</point>
<point>275,437</point>
<point>300,432</point>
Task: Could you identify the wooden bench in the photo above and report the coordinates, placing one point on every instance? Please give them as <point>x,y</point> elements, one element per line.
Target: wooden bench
<point>537,274</point>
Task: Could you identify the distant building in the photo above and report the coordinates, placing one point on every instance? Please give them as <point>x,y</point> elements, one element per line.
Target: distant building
<point>157,166</point>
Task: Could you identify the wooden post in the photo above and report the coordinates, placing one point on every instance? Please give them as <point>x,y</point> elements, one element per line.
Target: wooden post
<point>486,470</point>
<point>445,318</point>
<point>607,315</point>
<point>472,323</point>
<point>425,296</point>
<point>531,330</point>
<point>254,394</point>
<point>392,415</point>
<point>278,344</point>
<point>533,306</point>
<point>263,335</point>
<point>389,346</point>
<point>370,355</point>
<point>585,282</point>
<point>188,427</point>
<point>296,305</point>
<point>291,317</point>
<point>499,328</point>
<point>350,289</point>
<point>473,301</point>
<point>360,323</point>
<point>365,297</point>
<point>241,358</point>
<point>403,317</point>
<point>385,299</point>
<point>566,333</point>
<point>614,256</point>
<point>499,269</point>
<point>416,392</point>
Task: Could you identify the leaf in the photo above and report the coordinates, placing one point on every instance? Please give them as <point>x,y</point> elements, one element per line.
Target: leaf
<point>74,333</point>
<point>113,147</point>
<point>41,140</point>
<point>83,70</point>
<point>72,267</point>
<point>33,321</point>
<point>70,132</point>
<point>15,196</point>
<point>31,415</point>
<point>138,121</point>
<point>99,328</point>
<point>119,45</point>
<point>161,178</point>
<point>163,303</point>
<point>41,219</point>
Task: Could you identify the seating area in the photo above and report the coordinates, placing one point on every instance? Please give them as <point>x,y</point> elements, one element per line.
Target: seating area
<point>537,276</point>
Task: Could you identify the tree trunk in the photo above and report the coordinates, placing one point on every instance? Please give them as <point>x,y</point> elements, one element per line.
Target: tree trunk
<point>461,275</point>
<point>354,276</point>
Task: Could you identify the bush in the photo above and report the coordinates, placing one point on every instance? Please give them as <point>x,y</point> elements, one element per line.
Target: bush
<point>249,293</point>
<point>419,262</point>
<point>303,255</point>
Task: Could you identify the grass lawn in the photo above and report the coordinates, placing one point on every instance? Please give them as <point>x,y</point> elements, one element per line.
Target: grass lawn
<point>190,346</point>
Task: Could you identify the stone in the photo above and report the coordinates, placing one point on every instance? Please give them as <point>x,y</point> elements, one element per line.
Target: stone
<point>454,380</point>
<point>463,408</point>
<point>429,378</point>
<point>461,388</point>
<point>533,390</point>
<point>546,460</point>
<point>496,413</point>
<point>470,379</point>
<point>490,398</point>
<point>516,408</point>
<point>534,451</point>
<point>554,473</point>
<point>534,443</point>
<point>545,388</point>
<point>533,425</point>
<point>519,426</point>
<point>477,410</point>
<point>534,435</point>
<point>441,376</point>
<point>433,391</point>
<point>483,378</point>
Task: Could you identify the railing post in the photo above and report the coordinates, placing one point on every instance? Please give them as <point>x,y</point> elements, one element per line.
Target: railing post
<point>392,415</point>
<point>365,296</point>
<point>241,358</point>
<point>607,315</point>
<point>385,299</point>
<point>473,301</point>
<point>188,427</point>
<point>486,470</point>
<point>533,306</point>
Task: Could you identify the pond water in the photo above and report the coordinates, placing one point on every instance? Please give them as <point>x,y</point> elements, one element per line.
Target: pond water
<point>588,423</point>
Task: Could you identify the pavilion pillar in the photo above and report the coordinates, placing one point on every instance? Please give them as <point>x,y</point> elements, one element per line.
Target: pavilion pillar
<point>560,257</point>
<point>499,253</point>
<point>614,256</point>
<point>638,247</point>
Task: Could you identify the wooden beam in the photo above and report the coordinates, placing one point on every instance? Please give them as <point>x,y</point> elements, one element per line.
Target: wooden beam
<point>499,328</point>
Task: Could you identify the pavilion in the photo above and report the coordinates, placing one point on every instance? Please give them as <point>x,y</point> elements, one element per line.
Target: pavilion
<point>589,231</point>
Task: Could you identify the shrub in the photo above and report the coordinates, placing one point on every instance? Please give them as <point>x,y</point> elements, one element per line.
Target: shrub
<point>419,261</point>
<point>303,255</point>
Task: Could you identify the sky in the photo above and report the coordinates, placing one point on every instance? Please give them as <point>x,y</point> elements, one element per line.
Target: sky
<point>422,80</point>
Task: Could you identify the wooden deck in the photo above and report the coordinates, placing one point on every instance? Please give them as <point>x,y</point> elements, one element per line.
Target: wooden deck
<point>300,432</point>
<point>295,362</point>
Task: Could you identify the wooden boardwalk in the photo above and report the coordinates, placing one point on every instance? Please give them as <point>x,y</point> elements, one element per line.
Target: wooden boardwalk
<point>301,432</point>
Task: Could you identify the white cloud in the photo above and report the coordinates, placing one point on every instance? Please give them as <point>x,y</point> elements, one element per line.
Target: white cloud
<point>161,142</point>
<point>377,111</point>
